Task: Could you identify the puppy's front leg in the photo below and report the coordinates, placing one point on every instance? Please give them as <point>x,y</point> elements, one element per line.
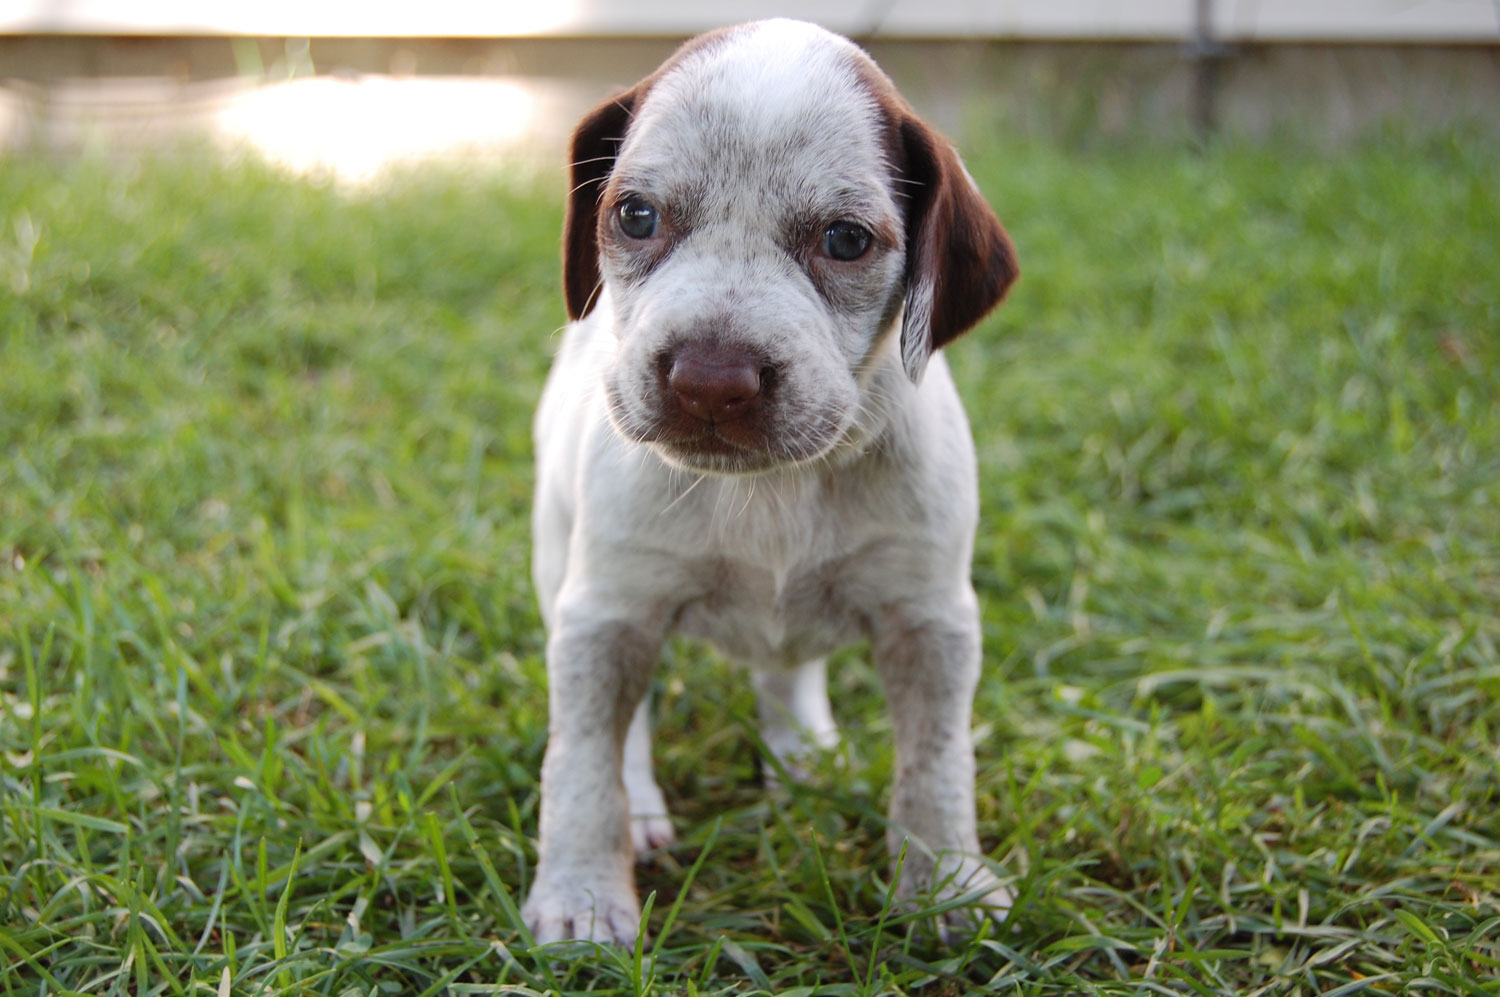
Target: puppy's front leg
<point>597,674</point>
<point>929,668</point>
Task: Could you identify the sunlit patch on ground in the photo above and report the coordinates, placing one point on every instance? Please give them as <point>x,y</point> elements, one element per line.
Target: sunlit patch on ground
<point>350,127</point>
<point>355,128</point>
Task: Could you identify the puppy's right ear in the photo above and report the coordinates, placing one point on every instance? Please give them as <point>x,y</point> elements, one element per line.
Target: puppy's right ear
<point>596,143</point>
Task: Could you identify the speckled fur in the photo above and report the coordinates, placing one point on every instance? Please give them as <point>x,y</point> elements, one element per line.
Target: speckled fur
<point>849,511</point>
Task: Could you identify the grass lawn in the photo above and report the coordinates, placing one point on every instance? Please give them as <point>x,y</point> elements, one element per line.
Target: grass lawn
<point>271,689</point>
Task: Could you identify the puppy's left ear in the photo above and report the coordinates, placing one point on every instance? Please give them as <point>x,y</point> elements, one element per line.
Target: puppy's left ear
<point>959,260</point>
<point>596,143</point>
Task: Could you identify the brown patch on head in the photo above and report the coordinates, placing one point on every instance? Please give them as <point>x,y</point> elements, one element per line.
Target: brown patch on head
<point>596,144</point>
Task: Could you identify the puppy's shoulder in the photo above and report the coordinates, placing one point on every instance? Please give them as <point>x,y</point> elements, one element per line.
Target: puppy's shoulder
<point>928,432</point>
<point>921,469</point>
<point>584,348</point>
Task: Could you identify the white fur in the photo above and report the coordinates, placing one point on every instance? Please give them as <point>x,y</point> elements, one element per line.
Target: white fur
<point>858,526</point>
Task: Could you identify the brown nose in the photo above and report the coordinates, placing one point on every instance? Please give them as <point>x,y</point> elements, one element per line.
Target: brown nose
<point>715,385</point>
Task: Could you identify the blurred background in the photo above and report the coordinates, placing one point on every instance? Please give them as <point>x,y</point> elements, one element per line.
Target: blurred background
<point>351,87</point>
<point>272,689</point>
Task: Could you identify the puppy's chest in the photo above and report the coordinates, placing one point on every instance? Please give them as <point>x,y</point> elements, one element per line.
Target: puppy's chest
<point>768,617</point>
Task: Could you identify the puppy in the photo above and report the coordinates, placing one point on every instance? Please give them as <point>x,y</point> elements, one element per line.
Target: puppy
<point>747,437</point>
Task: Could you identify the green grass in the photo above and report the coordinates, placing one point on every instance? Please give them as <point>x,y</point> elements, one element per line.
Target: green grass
<point>271,692</point>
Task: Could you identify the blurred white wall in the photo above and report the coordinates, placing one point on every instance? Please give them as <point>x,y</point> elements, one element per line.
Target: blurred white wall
<point>1234,20</point>
<point>351,87</point>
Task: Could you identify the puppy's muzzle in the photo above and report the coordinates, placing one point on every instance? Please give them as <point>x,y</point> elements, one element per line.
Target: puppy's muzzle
<point>716,385</point>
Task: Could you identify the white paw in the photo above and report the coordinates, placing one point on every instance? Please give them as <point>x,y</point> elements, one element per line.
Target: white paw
<point>956,877</point>
<point>580,908</point>
<point>651,831</point>
<point>797,754</point>
<point>650,827</point>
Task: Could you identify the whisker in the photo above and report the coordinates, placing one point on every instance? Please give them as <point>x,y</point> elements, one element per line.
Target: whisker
<point>593,297</point>
<point>746,507</point>
<point>597,159</point>
<point>686,492</point>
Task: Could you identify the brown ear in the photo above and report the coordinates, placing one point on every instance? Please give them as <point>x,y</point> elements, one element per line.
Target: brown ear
<point>959,261</point>
<point>596,143</point>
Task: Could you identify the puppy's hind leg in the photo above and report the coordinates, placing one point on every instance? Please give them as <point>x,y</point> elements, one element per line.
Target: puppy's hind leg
<point>796,720</point>
<point>650,825</point>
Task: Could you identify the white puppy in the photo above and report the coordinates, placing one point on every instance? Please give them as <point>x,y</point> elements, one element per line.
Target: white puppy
<point>746,437</point>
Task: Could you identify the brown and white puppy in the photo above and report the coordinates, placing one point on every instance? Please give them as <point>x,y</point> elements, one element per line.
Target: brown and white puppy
<point>747,437</point>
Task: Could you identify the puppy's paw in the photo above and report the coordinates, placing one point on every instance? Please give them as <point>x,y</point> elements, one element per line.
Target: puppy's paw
<point>650,832</point>
<point>593,910</point>
<point>799,756</point>
<point>954,878</point>
<point>650,827</point>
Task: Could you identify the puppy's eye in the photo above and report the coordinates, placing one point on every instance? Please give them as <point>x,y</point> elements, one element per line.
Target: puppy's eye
<point>846,241</point>
<point>638,219</point>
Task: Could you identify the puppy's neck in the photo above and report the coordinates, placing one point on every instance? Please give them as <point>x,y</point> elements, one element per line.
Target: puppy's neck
<point>886,392</point>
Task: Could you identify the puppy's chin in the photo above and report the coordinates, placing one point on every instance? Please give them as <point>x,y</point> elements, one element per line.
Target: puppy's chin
<point>715,459</point>
<point>740,447</point>
<point>712,451</point>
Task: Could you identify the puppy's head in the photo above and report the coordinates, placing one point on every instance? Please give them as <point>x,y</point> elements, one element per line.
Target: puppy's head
<point>762,218</point>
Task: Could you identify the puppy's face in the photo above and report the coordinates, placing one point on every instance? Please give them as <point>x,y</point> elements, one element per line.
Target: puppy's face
<point>768,216</point>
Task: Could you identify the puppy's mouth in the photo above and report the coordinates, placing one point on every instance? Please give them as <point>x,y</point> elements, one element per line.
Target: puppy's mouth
<point>726,449</point>
<point>748,443</point>
<point>710,450</point>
